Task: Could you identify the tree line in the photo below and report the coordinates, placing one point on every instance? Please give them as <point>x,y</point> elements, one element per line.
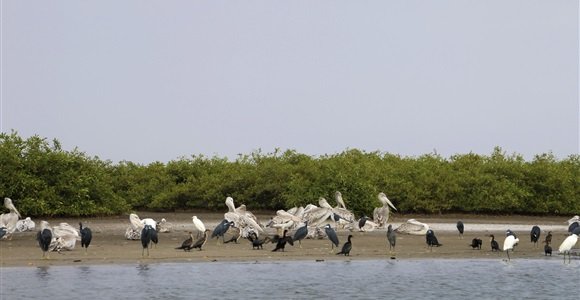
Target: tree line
<point>44,180</point>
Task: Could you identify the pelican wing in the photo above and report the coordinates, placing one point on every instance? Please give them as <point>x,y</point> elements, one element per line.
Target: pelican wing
<point>323,203</point>
<point>288,216</point>
<point>316,216</point>
<point>413,227</point>
<point>136,223</point>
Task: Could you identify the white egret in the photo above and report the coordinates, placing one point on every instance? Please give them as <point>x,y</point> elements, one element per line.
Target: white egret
<point>567,245</point>
<point>198,225</point>
<point>510,241</point>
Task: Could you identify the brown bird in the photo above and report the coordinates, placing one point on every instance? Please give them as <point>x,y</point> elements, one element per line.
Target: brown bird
<point>200,242</point>
<point>187,244</point>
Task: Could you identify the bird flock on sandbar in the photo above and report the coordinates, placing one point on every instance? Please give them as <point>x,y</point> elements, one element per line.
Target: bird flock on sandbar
<point>286,227</point>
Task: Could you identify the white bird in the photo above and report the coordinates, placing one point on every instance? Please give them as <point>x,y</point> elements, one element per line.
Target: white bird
<point>567,245</point>
<point>137,225</point>
<point>509,243</point>
<point>413,227</point>
<point>198,225</point>
<point>243,219</point>
<point>339,200</point>
<point>25,225</point>
<point>381,214</point>
<point>64,237</point>
<point>164,226</point>
<point>10,219</point>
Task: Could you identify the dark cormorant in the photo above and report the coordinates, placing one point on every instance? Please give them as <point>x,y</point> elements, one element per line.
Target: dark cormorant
<point>494,243</point>
<point>256,242</point>
<point>431,240</point>
<point>282,242</point>
<point>186,245</point>
<point>535,235</point>
<point>86,236</point>
<point>548,239</point>
<point>346,247</point>
<point>460,228</point>
<point>547,249</point>
<point>201,241</point>
<point>361,222</point>
<point>391,237</point>
<point>476,243</point>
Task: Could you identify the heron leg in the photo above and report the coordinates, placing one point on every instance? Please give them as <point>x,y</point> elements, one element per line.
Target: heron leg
<point>508,254</point>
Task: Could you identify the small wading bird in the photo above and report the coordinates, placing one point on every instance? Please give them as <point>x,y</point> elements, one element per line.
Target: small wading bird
<point>198,225</point>
<point>301,234</point>
<point>391,238</point>
<point>44,237</point>
<point>509,243</point>
<point>346,247</point>
<point>331,234</point>
<point>460,228</point>
<point>567,245</point>
<point>547,249</point>
<point>476,244</point>
<point>494,243</point>
<point>86,236</point>
<point>535,235</point>
<point>221,229</point>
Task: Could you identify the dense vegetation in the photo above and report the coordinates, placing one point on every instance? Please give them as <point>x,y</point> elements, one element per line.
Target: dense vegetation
<point>44,179</point>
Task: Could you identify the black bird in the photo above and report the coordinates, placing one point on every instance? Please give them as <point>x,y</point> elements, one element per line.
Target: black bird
<point>494,243</point>
<point>548,239</point>
<point>146,238</point>
<point>573,226</point>
<point>361,222</point>
<point>431,240</point>
<point>201,241</point>
<point>547,249</point>
<point>186,245</point>
<point>256,242</point>
<point>535,235</point>
<point>281,244</point>
<point>476,243</point>
<point>2,232</point>
<point>154,237</point>
<point>86,236</point>
<point>346,247</point>
<point>301,234</point>
<point>460,228</point>
<point>44,237</point>
<point>576,231</point>
<point>331,234</point>
<point>391,237</point>
<point>221,229</point>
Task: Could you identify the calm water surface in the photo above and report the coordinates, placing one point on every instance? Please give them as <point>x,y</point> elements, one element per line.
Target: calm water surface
<point>369,279</point>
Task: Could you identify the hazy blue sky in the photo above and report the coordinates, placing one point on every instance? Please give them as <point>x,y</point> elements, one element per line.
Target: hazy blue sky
<point>157,80</point>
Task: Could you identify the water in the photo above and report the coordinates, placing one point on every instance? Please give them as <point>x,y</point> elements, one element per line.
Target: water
<point>404,279</point>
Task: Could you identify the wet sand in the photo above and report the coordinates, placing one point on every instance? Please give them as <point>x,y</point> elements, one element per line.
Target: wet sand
<point>109,245</point>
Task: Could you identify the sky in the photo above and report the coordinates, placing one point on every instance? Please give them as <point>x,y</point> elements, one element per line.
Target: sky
<point>147,81</point>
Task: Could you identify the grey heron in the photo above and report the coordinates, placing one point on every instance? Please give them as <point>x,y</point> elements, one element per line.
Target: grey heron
<point>331,234</point>
<point>86,236</point>
<point>535,235</point>
<point>391,237</point>
<point>460,228</point>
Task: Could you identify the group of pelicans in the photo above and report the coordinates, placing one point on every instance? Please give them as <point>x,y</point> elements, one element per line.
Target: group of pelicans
<point>238,222</point>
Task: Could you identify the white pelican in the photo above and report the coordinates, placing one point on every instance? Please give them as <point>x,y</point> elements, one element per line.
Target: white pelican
<point>339,200</point>
<point>10,219</point>
<point>137,225</point>
<point>243,219</point>
<point>381,214</point>
<point>567,245</point>
<point>64,237</point>
<point>25,225</point>
<point>164,226</point>
<point>413,227</point>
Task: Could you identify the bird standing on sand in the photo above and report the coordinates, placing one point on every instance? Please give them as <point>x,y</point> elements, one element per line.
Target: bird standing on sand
<point>198,225</point>
<point>44,237</point>
<point>460,228</point>
<point>476,243</point>
<point>146,238</point>
<point>391,238</point>
<point>281,244</point>
<point>431,240</point>
<point>301,234</point>
<point>494,243</point>
<point>331,234</point>
<point>186,245</point>
<point>535,235</point>
<point>86,236</point>
<point>346,247</point>
<point>201,241</point>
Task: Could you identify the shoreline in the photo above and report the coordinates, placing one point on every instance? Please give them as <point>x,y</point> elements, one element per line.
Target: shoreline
<point>109,245</point>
